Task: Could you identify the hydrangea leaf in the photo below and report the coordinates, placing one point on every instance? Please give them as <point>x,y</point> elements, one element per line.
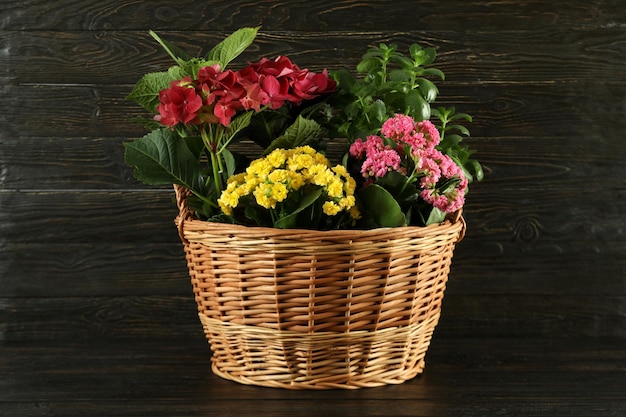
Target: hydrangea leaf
<point>301,132</point>
<point>230,48</point>
<point>146,91</point>
<point>161,158</point>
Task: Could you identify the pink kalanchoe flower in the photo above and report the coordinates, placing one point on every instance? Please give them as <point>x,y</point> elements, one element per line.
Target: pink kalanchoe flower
<point>436,168</point>
<point>430,132</point>
<point>361,148</point>
<point>380,163</point>
<point>398,127</point>
<point>429,167</point>
<point>379,159</point>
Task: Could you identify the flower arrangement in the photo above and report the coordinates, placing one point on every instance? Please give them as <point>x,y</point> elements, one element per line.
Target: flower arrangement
<point>399,168</point>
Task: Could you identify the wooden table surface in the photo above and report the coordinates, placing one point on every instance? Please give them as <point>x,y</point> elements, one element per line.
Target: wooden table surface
<point>171,377</point>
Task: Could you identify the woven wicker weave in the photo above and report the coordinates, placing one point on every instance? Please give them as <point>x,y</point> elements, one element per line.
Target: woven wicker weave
<point>304,309</point>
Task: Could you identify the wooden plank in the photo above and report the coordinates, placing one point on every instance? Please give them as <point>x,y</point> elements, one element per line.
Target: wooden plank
<point>183,363</point>
<point>130,269</point>
<point>62,163</point>
<point>68,244</point>
<point>93,269</point>
<point>554,162</point>
<point>531,377</point>
<point>88,216</point>
<point>304,16</point>
<point>99,317</point>
<point>140,268</point>
<point>158,316</point>
<point>148,216</point>
<point>499,110</point>
<point>545,56</point>
<point>516,315</point>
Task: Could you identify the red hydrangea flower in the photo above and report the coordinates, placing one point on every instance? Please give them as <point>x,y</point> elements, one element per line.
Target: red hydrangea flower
<point>216,96</point>
<point>179,104</point>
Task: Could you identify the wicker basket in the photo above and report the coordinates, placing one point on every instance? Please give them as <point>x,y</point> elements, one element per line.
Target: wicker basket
<point>304,309</point>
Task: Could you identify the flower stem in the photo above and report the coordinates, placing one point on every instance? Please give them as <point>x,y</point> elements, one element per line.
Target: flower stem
<point>211,145</point>
<point>215,164</point>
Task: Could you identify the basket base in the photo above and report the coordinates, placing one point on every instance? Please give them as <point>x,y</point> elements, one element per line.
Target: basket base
<point>254,355</point>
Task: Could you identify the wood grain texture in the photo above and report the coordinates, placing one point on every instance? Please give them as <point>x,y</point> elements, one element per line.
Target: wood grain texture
<point>159,316</point>
<point>499,110</point>
<point>476,378</point>
<point>476,57</point>
<point>303,15</point>
<point>97,315</point>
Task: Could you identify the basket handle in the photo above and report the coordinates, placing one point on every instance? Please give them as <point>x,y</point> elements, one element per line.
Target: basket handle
<point>457,216</point>
<point>183,210</point>
<point>463,229</point>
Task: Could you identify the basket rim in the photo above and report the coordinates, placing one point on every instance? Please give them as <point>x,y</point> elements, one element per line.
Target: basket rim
<point>454,223</point>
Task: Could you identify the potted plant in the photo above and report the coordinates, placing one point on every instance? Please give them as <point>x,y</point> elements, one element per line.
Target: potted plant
<point>309,273</point>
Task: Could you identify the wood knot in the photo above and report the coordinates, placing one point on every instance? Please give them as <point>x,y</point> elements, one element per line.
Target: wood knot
<point>527,229</point>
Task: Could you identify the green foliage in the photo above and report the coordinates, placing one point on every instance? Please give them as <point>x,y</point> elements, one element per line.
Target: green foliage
<point>452,134</point>
<point>301,132</point>
<point>160,157</point>
<point>231,47</point>
<point>390,82</point>
<point>288,217</point>
<point>146,91</point>
<point>381,207</point>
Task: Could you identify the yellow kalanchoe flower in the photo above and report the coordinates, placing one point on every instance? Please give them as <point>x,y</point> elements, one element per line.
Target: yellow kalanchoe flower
<point>330,208</point>
<point>276,158</point>
<point>271,180</point>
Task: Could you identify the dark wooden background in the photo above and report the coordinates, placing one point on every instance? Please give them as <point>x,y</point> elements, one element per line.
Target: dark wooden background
<point>89,255</point>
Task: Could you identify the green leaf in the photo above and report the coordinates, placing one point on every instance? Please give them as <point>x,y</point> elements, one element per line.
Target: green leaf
<point>175,52</point>
<point>436,216</point>
<point>236,125</point>
<point>344,78</point>
<point>463,116</point>
<point>379,110</point>
<point>421,56</point>
<point>195,145</point>
<point>401,75</point>
<point>478,169</point>
<point>192,67</point>
<point>146,91</point>
<point>368,65</point>
<point>428,89</point>
<point>229,161</point>
<point>162,158</point>
<point>259,215</point>
<point>462,129</point>
<point>404,62</point>
<point>301,132</point>
<point>289,221</point>
<point>432,72</point>
<point>231,47</point>
<point>418,107</point>
<point>381,206</point>
<point>176,72</point>
<point>393,180</point>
